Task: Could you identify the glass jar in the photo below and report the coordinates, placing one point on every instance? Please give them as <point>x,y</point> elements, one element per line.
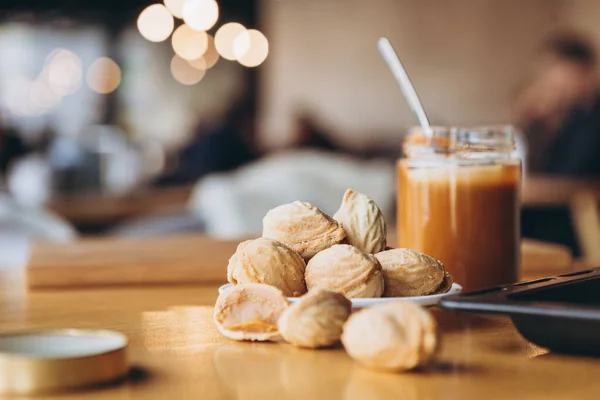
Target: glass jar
<point>459,201</point>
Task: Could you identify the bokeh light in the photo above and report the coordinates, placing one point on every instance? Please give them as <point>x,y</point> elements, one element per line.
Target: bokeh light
<point>188,43</point>
<point>103,76</point>
<point>225,37</point>
<point>184,73</point>
<point>199,63</point>
<point>41,97</point>
<point>63,72</point>
<point>251,48</point>
<point>210,57</point>
<point>31,97</point>
<point>175,7</point>
<point>200,15</point>
<point>241,44</point>
<point>155,23</point>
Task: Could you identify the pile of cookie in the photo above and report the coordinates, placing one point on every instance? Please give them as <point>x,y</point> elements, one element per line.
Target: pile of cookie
<point>303,248</point>
<point>327,260</point>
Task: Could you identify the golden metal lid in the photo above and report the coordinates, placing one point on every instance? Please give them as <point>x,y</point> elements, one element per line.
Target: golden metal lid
<point>42,361</point>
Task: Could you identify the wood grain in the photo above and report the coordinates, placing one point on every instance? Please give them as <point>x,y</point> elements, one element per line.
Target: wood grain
<point>185,259</point>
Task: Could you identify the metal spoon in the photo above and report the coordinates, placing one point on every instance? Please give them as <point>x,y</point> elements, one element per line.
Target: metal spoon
<point>391,58</point>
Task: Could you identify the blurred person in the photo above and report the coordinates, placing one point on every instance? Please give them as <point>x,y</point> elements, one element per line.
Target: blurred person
<point>559,111</point>
<point>232,202</point>
<point>311,167</point>
<point>220,147</point>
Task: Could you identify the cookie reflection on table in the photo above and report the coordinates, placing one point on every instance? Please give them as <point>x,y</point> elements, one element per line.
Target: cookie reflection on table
<point>366,384</point>
<point>243,367</point>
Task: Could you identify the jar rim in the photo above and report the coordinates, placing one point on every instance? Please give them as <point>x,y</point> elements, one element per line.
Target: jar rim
<point>456,140</point>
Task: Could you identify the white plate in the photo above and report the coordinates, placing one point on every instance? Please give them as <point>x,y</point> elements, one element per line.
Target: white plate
<point>425,301</point>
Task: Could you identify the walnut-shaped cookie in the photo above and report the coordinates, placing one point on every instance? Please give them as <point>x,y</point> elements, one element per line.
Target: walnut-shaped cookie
<point>362,221</point>
<point>410,273</point>
<point>346,269</point>
<point>391,337</point>
<point>268,261</point>
<point>303,227</point>
<point>250,311</point>
<point>316,319</point>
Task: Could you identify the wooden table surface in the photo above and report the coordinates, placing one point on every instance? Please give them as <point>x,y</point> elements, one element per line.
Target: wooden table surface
<point>177,353</point>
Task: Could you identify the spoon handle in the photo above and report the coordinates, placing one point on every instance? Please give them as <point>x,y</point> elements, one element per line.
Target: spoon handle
<point>391,58</point>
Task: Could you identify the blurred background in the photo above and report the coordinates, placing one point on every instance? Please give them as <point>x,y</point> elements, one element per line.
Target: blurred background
<point>141,118</point>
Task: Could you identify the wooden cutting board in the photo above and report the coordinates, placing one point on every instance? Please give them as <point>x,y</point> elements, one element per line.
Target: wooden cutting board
<point>185,259</point>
